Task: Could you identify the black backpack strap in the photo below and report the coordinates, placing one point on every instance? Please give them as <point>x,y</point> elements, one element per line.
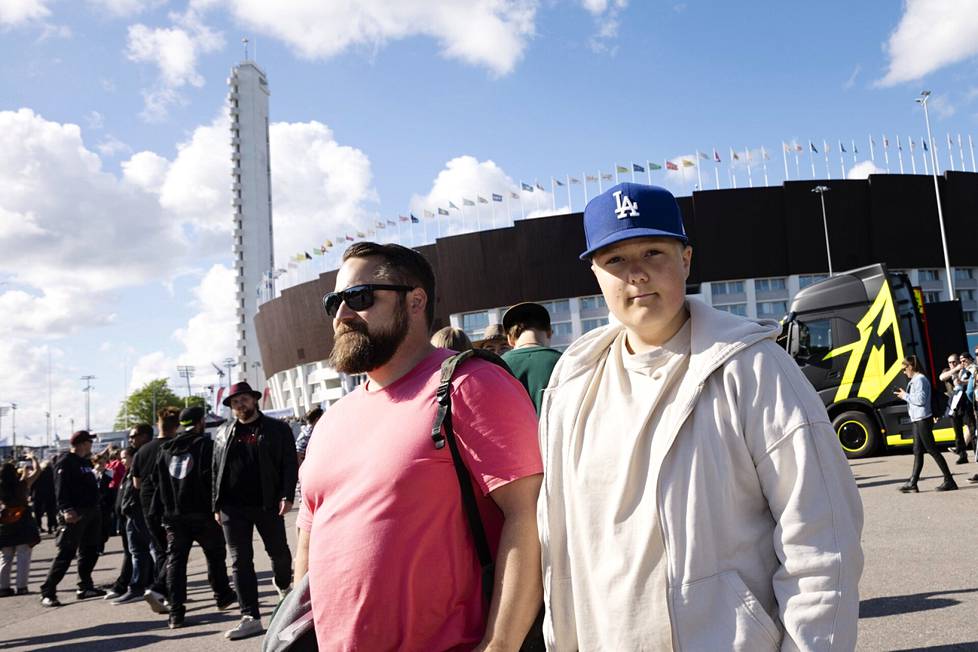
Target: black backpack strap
<point>441,432</point>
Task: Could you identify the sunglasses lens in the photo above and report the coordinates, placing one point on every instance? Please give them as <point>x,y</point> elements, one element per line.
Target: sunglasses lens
<point>332,303</point>
<point>359,298</point>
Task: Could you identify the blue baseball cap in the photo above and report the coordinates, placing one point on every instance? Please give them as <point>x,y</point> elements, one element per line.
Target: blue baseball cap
<point>631,210</point>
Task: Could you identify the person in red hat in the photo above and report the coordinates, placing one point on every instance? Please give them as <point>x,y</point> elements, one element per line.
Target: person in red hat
<point>79,521</point>
<point>255,471</point>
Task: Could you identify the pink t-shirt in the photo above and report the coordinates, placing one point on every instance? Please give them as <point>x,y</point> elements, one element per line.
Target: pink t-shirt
<point>392,564</point>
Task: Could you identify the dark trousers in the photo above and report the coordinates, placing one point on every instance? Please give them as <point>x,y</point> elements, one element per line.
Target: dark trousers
<point>81,538</point>
<point>923,440</point>
<point>121,584</point>
<point>45,505</point>
<point>137,540</point>
<point>181,532</point>
<point>963,415</point>
<point>239,526</point>
<point>158,547</point>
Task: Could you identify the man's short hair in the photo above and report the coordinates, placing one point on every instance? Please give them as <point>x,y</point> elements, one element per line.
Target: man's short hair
<point>312,416</point>
<point>400,266</point>
<point>143,429</point>
<point>169,418</point>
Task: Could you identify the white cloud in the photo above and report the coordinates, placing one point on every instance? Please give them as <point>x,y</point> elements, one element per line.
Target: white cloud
<point>606,17</point>
<point>852,77</point>
<point>862,170</point>
<point>146,170</point>
<point>125,7</point>
<point>18,12</point>
<point>942,106</point>
<point>95,120</point>
<point>932,34</point>
<point>490,33</point>
<point>210,335</point>
<point>112,146</point>
<point>175,51</point>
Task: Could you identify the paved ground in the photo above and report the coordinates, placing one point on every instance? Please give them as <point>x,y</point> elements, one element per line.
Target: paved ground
<point>919,590</point>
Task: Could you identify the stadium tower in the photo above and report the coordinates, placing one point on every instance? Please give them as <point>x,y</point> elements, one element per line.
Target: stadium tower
<point>251,192</point>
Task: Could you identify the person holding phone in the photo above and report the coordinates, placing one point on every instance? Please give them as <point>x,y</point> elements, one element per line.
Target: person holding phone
<point>917,396</point>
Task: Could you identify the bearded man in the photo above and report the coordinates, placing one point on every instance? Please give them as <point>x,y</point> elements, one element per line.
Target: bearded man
<point>382,529</point>
<point>254,477</point>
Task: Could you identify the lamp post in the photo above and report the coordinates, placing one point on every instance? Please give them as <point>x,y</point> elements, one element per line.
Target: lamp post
<point>13,425</point>
<point>186,371</point>
<point>922,100</point>
<point>88,402</point>
<point>821,190</point>
<point>255,365</point>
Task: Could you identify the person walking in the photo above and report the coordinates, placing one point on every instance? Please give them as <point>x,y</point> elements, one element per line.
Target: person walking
<point>305,433</point>
<point>79,521</point>
<point>255,471</point>
<point>695,496</point>
<point>383,533</point>
<point>42,496</point>
<point>955,378</point>
<point>918,396</point>
<point>183,480</point>
<point>18,531</point>
<point>143,467</point>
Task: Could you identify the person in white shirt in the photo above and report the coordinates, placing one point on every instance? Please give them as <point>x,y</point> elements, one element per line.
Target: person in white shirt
<point>695,495</point>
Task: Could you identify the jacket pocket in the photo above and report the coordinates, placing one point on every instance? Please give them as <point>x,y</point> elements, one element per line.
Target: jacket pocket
<point>720,613</point>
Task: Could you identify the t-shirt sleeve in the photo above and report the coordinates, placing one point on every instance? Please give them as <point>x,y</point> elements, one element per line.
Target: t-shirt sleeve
<point>303,519</point>
<point>496,426</point>
<point>137,463</point>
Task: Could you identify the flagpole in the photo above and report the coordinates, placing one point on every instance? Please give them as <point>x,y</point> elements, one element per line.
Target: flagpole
<point>872,151</point>
<point>553,194</point>
<point>478,214</point>
<point>716,168</point>
<point>784,156</point>
<point>964,168</point>
<point>584,181</point>
<point>855,152</point>
<point>797,162</point>
<point>522,208</point>
<point>900,153</point>
<point>811,158</point>
<point>913,160</point>
<point>825,154</point>
<point>971,146</point>
<point>616,174</point>
<point>699,174</point>
<point>764,164</point>
<point>599,183</point>
<point>950,151</point>
<point>750,177</point>
<point>733,173</point>
<point>924,154</point>
<point>842,161</point>
<point>886,153</point>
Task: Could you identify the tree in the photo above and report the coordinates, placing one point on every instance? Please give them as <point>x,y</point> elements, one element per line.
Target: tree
<point>141,402</point>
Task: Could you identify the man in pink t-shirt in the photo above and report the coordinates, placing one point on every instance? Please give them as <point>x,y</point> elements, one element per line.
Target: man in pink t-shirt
<point>382,531</point>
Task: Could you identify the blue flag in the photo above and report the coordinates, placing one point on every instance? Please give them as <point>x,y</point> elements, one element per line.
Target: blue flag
<point>496,197</point>
<point>525,186</point>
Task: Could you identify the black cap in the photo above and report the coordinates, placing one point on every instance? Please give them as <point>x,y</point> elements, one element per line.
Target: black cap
<point>191,415</point>
<point>80,437</point>
<point>528,312</point>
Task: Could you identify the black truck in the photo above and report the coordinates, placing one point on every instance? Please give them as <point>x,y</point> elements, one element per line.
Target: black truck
<point>850,334</point>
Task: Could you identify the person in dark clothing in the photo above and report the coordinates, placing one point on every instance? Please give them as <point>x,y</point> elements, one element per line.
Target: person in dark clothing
<point>79,521</point>
<point>917,396</point>
<point>42,495</point>
<point>143,467</point>
<point>121,584</point>
<point>955,378</point>
<point>106,500</point>
<point>183,480</point>
<point>531,359</point>
<point>130,587</point>
<point>254,479</point>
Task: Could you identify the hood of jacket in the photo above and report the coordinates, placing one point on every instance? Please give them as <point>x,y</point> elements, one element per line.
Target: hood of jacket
<point>181,443</point>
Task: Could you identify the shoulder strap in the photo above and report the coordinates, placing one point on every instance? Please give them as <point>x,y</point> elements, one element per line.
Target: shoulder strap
<point>442,432</point>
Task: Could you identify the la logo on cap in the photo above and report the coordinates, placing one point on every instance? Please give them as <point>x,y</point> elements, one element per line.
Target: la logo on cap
<point>625,206</point>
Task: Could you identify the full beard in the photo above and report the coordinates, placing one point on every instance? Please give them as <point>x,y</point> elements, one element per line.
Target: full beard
<point>356,350</point>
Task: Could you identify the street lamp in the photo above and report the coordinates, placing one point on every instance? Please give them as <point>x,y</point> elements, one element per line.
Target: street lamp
<point>13,425</point>
<point>255,365</point>
<point>186,371</point>
<point>88,402</point>
<point>922,100</point>
<point>821,190</point>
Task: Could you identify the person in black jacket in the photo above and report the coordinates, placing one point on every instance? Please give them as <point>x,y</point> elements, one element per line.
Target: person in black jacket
<point>132,581</point>
<point>183,480</point>
<point>255,473</point>
<point>79,521</point>
<point>42,495</point>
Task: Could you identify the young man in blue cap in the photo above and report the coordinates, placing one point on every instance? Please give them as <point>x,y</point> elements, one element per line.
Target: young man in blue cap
<point>695,495</point>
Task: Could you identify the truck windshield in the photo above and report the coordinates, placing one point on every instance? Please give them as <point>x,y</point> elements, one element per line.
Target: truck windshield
<point>814,338</point>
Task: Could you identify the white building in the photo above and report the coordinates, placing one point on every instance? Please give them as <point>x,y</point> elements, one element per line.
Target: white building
<point>251,199</point>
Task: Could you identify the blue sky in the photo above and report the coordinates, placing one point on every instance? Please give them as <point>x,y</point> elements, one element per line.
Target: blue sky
<point>558,87</point>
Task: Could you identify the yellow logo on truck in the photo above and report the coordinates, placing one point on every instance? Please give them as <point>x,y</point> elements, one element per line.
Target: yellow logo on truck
<point>875,358</point>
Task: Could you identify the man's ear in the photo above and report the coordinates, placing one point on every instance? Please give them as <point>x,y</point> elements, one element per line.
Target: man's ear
<point>418,300</point>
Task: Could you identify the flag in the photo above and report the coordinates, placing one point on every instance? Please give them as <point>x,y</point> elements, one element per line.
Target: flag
<point>428,213</point>
<point>574,180</point>
<point>899,144</point>
<point>348,238</point>
<point>442,211</point>
<point>606,176</point>
<point>328,243</point>
<point>637,168</point>
<point>319,252</point>
<point>855,148</point>
<point>361,234</point>
<point>734,155</point>
<point>451,205</point>
<point>481,199</point>
<point>764,154</point>
<point>688,164</point>
<point>590,178</point>
<point>621,168</point>
<point>798,147</point>
<point>292,263</point>
<point>513,195</point>
<point>786,147</point>
<point>886,142</point>
<point>557,181</point>
<point>704,156</point>
<point>911,144</point>
<point>924,142</point>
<point>467,202</point>
<point>391,222</point>
<point>379,224</point>
<point>654,166</point>
<point>671,166</point>
<point>812,145</point>
<point>525,186</point>
<point>414,220</point>
<point>842,147</point>
<point>403,218</point>
<point>540,187</point>
<point>496,197</point>
<point>716,155</point>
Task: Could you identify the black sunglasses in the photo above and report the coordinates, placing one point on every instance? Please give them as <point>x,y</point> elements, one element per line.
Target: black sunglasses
<point>358,297</point>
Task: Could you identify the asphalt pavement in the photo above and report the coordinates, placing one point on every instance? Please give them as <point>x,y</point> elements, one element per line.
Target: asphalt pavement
<point>919,589</point>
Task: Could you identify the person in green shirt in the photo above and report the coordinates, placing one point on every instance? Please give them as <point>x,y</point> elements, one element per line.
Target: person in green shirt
<point>531,360</point>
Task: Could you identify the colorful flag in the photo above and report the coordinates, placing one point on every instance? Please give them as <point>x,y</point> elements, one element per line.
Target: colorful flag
<point>637,168</point>
<point>812,145</point>
<point>671,166</point>
<point>590,178</point>
<point>716,155</point>
<point>525,186</point>
<point>348,238</point>
<point>496,197</point>
<point>798,147</point>
<point>911,144</point>
<point>513,195</point>
<point>391,222</point>
<point>467,202</point>
<point>842,147</point>
<point>414,220</point>
<point>925,144</point>
<point>403,218</point>
<point>452,205</point>
<point>688,164</point>
<point>308,257</point>
<point>328,243</point>
<point>704,156</point>
<point>734,155</point>
<point>361,234</point>
<point>606,176</point>
<point>764,154</point>
<point>319,251</point>
<point>539,187</point>
<point>574,180</point>
<point>621,168</point>
<point>654,166</point>
<point>886,141</point>
<point>442,211</point>
<point>557,181</point>
<point>481,199</point>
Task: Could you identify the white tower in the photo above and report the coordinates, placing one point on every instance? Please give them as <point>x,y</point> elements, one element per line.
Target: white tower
<point>251,192</point>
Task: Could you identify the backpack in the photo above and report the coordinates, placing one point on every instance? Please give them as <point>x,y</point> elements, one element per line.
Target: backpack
<point>442,433</point>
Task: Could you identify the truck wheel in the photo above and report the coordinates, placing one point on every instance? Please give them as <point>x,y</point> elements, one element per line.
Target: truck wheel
<point>859,436</point>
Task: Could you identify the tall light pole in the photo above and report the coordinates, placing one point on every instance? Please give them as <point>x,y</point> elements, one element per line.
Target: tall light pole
<point>88,402</point>
<point>255,365</point>
<point>186,371</point>
<point>922,100</point>
<point>13,425</point>
<point>821,190</point>
<point>229,363</point>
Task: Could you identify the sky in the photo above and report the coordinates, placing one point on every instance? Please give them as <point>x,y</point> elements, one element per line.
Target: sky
<point>115,217</point>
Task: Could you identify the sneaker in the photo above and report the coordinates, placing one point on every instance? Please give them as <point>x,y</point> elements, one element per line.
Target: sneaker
<point>962,459</point>
<point>112,594</point>
<point>175,621</point>
<point>248,626</point>
<point>23,591</point>
<point>155,601</point>
<point>50,602</point>
<point>85,594</point>
<point>973,478</point>
<point>7,592</point>
<point>127,597</point>
<point>909,488</point>
<point>947,485</point>
<point>227,601</point>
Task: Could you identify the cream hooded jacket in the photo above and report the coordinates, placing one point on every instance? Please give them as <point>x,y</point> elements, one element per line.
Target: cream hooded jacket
<point>757,507</point>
